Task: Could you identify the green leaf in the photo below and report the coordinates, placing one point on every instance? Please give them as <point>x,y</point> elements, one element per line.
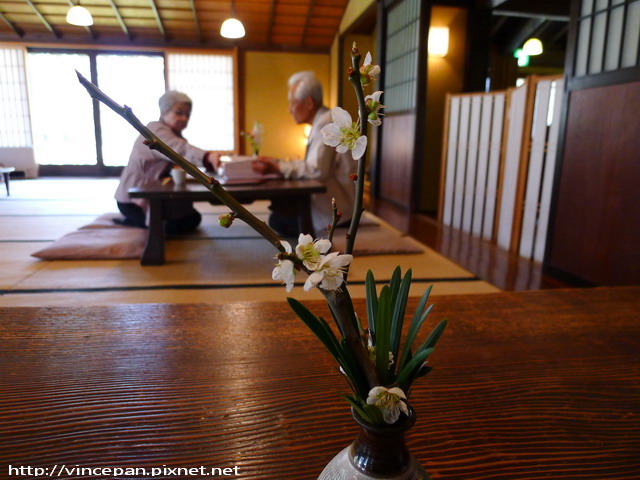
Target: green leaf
<point>435,335</point>
<point>318,326</point>
<point>418,318</point>
<point>356,406</point>
<point>382,334</point>
<point>397,318</point>
<point>407,375</point>
<point>353,370</point>
<point>394,283</point>
<point>372,301</point>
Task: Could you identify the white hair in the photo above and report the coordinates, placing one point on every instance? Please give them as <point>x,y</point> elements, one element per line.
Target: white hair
<point>170,98</point>
<point>305,84</point>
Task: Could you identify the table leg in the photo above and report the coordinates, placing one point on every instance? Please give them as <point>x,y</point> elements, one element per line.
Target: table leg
<point>305,223</point>
<point>153,253</point>
<point>6,181</point>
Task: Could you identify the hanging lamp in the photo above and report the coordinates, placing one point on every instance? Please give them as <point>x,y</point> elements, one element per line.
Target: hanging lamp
<point>232,27</point>
<point>79,16</point>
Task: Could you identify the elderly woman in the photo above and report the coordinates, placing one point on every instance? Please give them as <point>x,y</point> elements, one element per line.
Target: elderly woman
<point>146,165</point>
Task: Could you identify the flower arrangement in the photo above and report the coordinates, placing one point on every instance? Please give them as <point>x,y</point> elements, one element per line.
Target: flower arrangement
<point>255,137</point>
<point>378,366</point>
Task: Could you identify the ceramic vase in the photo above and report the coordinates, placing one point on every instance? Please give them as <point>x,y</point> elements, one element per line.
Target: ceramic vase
<point>378,452</point>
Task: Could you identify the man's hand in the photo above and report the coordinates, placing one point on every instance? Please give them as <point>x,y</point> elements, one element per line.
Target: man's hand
<point>265,166</point>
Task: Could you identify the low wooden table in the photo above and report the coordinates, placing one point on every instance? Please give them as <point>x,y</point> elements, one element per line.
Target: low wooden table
<point>6,174</point>
<point>532,385</point>
<point>298,191</point>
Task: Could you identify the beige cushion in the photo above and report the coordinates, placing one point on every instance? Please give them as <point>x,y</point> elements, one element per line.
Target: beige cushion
<point>96,243</point>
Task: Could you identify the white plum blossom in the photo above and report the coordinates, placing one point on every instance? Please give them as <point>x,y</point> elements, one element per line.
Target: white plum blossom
<point>310,251</point>
<point>330,272</point>
<point>390,401</point>
<point>368,72</point>
<point>373,106</point>
<point>285,269</point>
<point>344,134</point>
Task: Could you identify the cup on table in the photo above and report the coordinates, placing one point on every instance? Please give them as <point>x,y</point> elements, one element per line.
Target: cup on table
<point>179,176</point>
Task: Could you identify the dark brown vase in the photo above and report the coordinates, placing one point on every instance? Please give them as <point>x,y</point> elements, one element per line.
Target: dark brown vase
<point>378,452</point>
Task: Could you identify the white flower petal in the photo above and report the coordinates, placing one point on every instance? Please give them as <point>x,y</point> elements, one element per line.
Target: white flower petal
<point>367,59</point>
<point>323,245</point>
<point>398,392</point>
<point>375,96</point>
<point>360,148</point>
<point>313,280</point>
<point>286,245</point>
<point>341,117</point>
<point>341,148</point>
<point>331,134</point>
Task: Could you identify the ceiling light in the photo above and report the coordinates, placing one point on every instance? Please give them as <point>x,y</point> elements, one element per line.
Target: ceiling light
<point>438,44</point>
<point>232,27</point>
<point>533,46</point>
<point>80,16</point>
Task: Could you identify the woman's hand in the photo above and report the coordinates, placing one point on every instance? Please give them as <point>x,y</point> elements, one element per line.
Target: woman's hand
<point>211,161</point>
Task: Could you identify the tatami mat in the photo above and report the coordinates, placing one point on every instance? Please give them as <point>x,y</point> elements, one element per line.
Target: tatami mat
<point>234,266</point>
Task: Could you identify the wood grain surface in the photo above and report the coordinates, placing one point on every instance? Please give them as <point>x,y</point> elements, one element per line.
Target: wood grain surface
<point>531,385</point>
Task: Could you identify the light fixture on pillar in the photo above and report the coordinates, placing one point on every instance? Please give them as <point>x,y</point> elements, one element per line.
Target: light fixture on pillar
<point>438,44</point>
<point>232,27</point>
<point>79,16</point>
<point>532,47</point>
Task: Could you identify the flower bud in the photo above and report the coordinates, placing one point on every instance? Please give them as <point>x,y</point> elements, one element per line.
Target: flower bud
<point>225,220</point>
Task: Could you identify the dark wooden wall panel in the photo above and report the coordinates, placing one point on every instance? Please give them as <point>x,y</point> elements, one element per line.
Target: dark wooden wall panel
<point>397,159</point>
<point>596,232</point>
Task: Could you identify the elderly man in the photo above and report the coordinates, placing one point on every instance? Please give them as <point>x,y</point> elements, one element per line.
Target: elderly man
<point>321,162</point>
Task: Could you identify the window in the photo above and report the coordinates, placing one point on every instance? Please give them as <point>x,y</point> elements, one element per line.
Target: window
<point>61,110</point>
<point>59,114</point>
<point>139,89</point>
<point>208,80</point>
<point>15,127</point>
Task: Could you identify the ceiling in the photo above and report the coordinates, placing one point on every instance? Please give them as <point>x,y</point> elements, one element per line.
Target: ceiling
<point>515,21</point>
<point>270,24</point>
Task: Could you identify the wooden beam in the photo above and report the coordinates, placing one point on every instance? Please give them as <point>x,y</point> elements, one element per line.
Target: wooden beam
<point>18,31</point>
<point>91,33</point>
<point>120,20</point>
<point>272,14</point>
<point>195,20</point>
<point>307,21</point>
<point>43,20</point>
<point>156,14</point>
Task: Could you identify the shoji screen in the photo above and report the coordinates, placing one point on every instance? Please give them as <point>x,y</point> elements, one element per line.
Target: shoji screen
<point>208,80</point>
<point>542,163</point>
<point>15,125</point>
<point>471,161</point>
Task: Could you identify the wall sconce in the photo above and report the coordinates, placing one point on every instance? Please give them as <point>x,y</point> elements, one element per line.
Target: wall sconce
<point>438,44</point>
<point>306,132</point>
<point>533,46</point>
<point>79,16</point>
<point>232,27</point>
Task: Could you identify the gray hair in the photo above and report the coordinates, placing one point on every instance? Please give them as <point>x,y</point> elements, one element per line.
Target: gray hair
<point>307,86</point>
<point>170,98</point>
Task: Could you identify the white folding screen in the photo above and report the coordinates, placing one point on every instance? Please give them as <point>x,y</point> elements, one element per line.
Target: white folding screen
<point>542,160</point>
<point>511,163</point>
<point>491,183</point>
<point>471,162</point>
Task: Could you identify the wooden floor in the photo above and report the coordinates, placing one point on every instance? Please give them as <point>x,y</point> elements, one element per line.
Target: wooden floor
<point>489,262</point>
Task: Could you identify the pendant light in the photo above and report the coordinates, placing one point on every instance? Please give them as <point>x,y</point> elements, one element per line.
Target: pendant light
<point>79,16</point>
<point>533,46</point>
<point>232,27</point>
